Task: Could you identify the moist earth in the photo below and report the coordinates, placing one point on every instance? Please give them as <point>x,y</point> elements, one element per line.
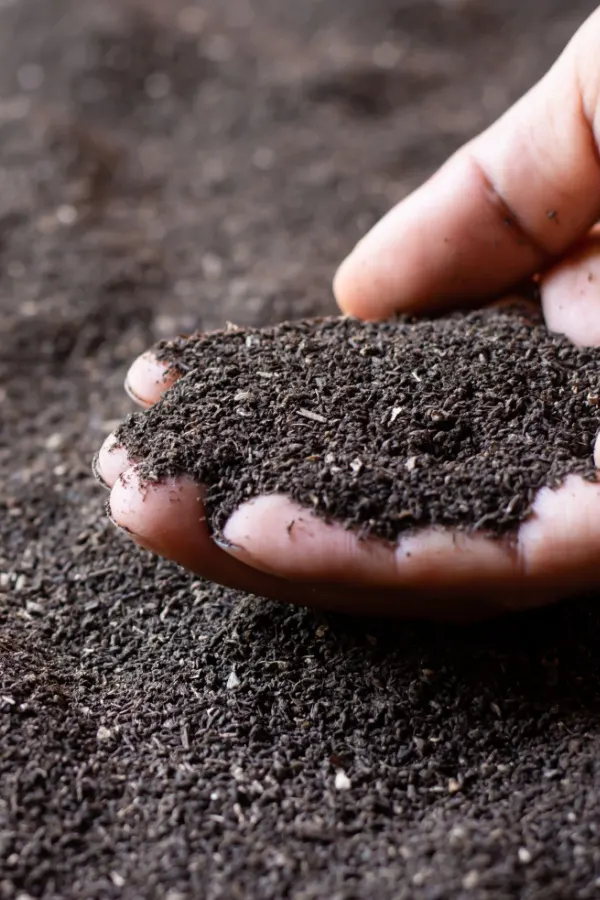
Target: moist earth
<point>384,427</point>
<point>162,737</point>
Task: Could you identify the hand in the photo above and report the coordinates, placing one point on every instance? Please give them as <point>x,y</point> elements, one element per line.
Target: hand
<point>518,200</point>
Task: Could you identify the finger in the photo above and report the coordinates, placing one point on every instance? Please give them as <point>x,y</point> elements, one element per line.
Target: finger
<point>277,535</point>
<point>148,379</point>
<point>111,461</point>
<point>558,546</point>
<point>168,519</point>
<point>501,209</point>
<point>570,293</point>
<point>554,554</point>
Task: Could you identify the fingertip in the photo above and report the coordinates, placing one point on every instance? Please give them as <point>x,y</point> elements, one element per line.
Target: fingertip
<point>597,451</point>
<point>558,542</point>
<point>570,292</point>
<point>277,536</point>
<point>126,500</point>
<point>342,287</point>
<point>357,287</point>
<point>148,378</point>
<point>168,518</point>
<point>110,461</point>
<point>155,510</point>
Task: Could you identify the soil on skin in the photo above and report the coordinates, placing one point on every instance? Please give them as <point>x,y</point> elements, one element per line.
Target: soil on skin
<point>162,738</point>
<point>457,421</point>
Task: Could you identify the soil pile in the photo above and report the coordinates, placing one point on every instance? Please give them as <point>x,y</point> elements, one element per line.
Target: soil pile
<point>457,421</point>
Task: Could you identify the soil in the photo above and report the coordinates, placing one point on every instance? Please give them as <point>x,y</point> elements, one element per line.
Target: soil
<point>161,737</point>
<point>458,421</point>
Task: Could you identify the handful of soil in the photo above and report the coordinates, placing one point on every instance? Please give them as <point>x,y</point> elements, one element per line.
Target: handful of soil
<point>384,427</point>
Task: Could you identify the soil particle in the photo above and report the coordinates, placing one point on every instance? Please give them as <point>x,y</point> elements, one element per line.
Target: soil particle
<point>456,421</point>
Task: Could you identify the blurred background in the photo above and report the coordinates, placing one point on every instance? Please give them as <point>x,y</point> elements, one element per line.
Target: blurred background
<point>173,165</point>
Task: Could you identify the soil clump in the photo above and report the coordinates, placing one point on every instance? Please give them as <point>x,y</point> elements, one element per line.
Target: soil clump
<point>457,421</point>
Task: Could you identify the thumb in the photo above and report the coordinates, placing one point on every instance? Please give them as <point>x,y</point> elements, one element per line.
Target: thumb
<point>502,208</point>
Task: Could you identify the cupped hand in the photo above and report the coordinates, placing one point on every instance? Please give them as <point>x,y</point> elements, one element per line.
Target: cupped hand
<point>518,201</point>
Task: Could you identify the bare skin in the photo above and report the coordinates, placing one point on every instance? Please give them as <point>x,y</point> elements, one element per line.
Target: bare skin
<point>521,199</point>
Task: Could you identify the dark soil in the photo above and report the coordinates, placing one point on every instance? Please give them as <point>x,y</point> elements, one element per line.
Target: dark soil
<point>457,421</point>
<point>158,178</point>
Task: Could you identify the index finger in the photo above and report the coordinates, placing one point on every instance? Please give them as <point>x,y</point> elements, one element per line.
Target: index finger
<point>502,208</point>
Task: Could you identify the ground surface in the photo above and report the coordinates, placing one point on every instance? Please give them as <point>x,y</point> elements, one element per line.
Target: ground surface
<point>161,737</point>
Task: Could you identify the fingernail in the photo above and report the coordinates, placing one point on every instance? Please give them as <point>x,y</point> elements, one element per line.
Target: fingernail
<point>96,472</point>
<point>114,522</point>
<point>228,546</point>
<point>131,393</point>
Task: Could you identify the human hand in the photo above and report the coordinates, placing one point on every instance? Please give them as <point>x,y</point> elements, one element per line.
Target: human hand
<point>518,200</point>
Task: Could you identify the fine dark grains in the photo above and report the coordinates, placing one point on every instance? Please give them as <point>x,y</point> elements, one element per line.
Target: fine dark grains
<point>457,421</point>
<point>131,766</point>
